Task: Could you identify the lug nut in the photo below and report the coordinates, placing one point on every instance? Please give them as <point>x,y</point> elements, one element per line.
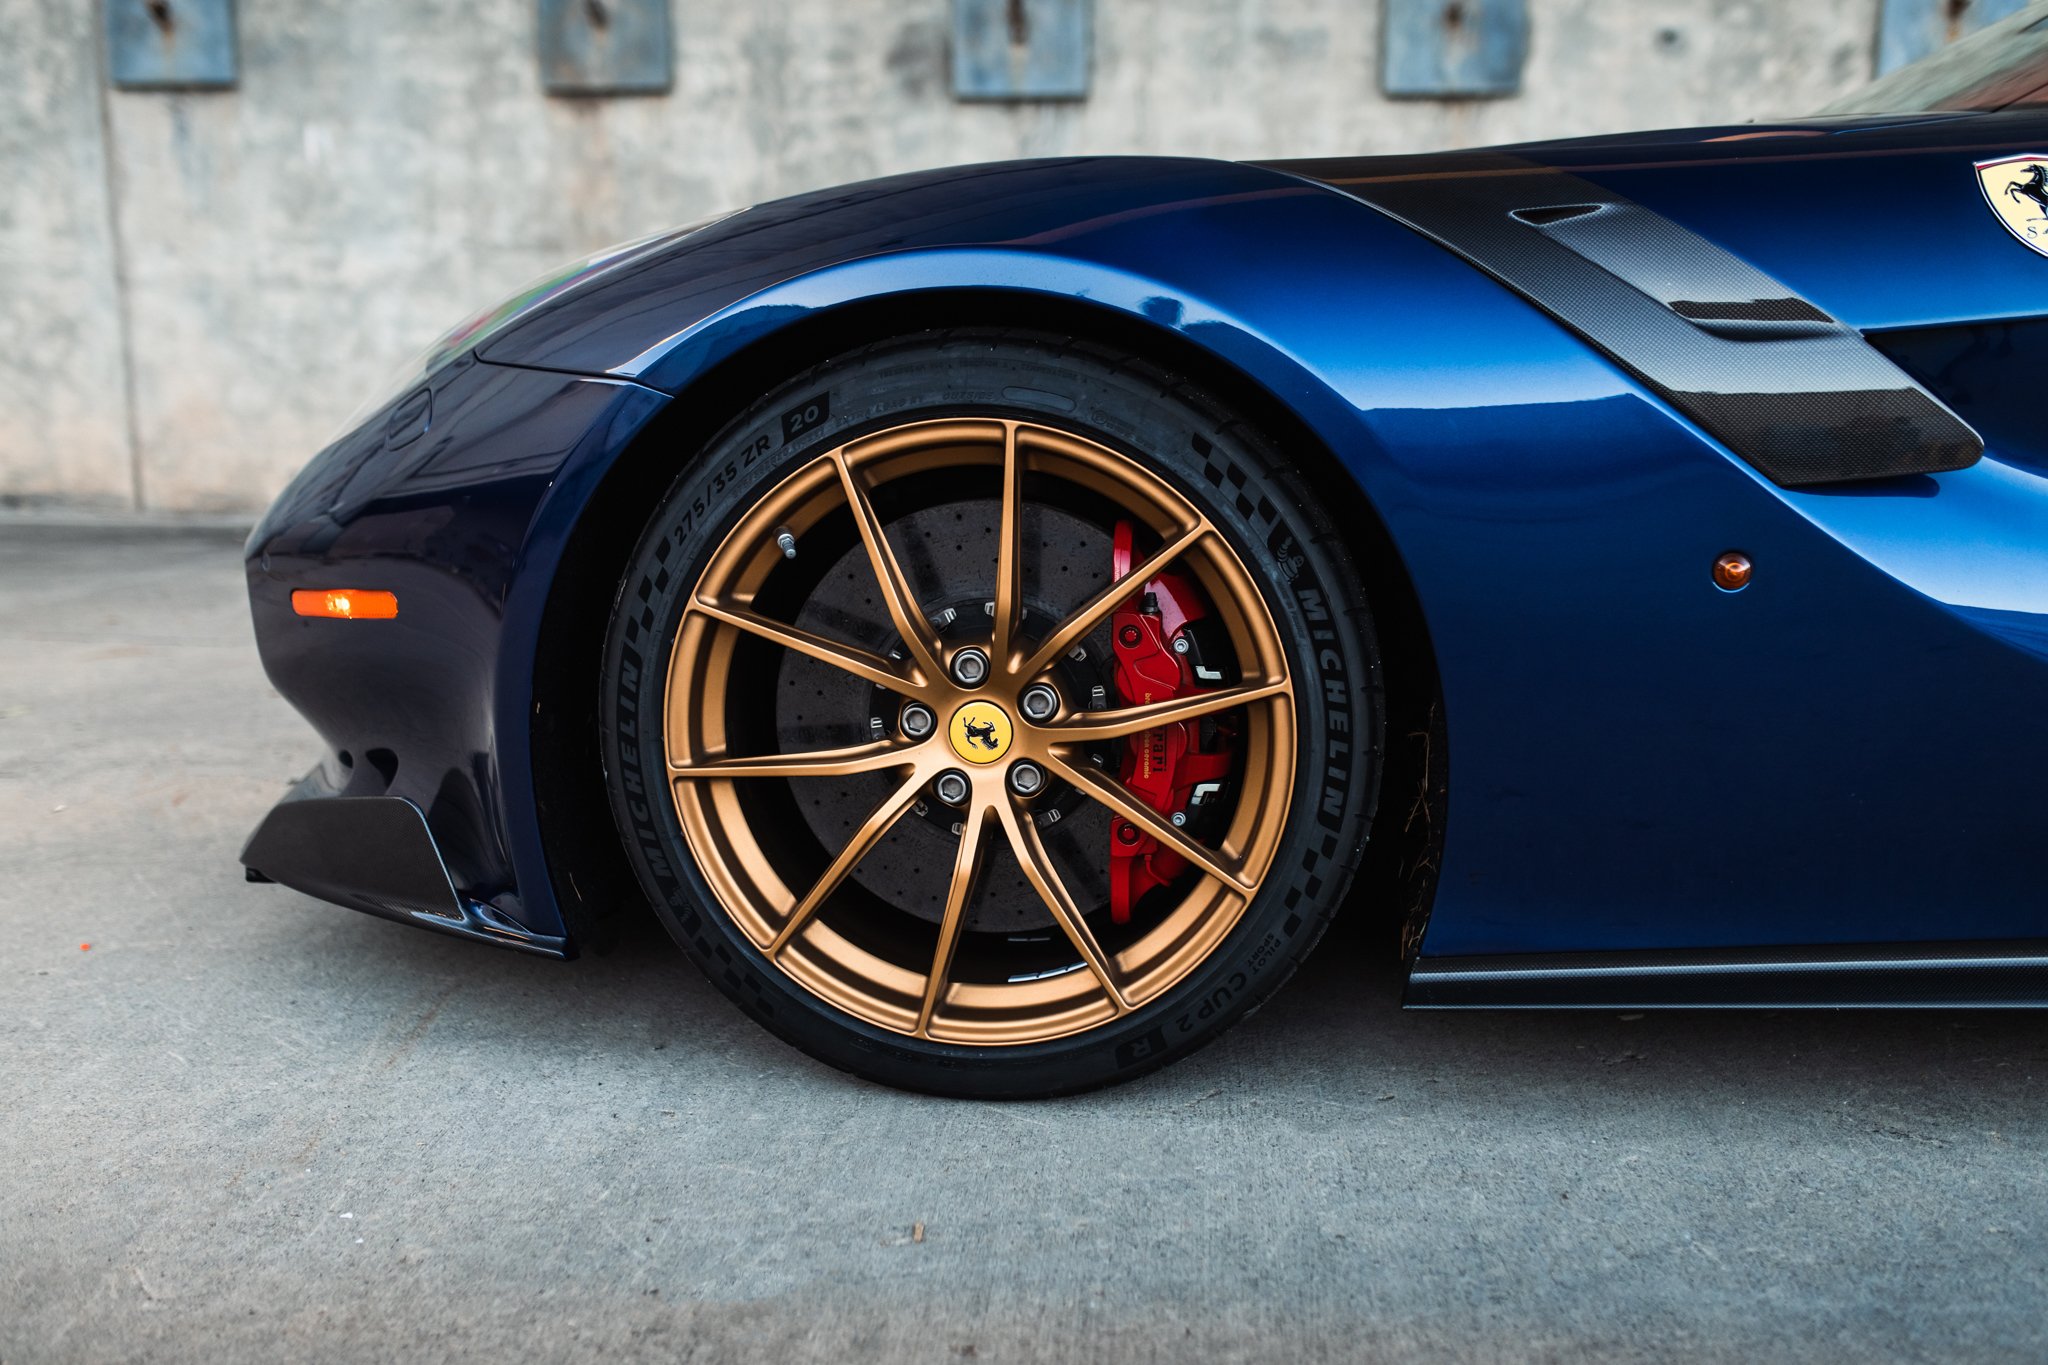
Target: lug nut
<point>1038,702</point>
<point>917,721</point>
<point>970,668</point>
<point>951,787</point>
<point>1026,779</point>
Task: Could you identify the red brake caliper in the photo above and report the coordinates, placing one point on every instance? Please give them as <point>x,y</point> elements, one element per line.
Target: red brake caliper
<point>1161,767</point>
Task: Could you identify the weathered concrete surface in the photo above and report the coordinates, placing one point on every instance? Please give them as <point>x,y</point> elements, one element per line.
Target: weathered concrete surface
<point>63,386</point>
<point>246,1126</point>
<point>388,166</point>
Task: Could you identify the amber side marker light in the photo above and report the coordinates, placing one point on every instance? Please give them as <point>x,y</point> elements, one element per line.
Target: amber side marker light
<point>346,604</point>
<point>1732,571</point>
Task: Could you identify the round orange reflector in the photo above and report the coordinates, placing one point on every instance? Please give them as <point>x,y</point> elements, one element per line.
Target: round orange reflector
<point>348,604</point>
<point>1732,571</point>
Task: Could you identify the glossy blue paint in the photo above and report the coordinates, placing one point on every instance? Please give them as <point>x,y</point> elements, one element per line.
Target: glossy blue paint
<point>432,706</point>
<point>1849,751</point>
<point>1991,372</point>
<point>1883,226</point>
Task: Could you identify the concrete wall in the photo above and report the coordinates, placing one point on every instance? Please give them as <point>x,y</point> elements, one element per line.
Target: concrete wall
<point>195,288</point>
<point>63,377</point>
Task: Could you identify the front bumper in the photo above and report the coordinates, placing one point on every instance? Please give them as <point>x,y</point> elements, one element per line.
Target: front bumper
<point>423,807</point>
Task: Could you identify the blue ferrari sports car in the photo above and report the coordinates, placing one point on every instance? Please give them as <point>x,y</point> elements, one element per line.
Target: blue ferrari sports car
<point>996,616</point>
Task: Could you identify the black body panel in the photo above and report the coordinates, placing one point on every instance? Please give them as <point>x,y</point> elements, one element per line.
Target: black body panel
<point>375,854</point>
<point>1925,975</point>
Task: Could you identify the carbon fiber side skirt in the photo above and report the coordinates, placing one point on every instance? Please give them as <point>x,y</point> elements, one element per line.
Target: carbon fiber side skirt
<point>1916,975</point>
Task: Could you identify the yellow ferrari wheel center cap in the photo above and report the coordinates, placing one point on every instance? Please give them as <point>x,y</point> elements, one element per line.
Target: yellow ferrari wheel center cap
<point>980,732</point>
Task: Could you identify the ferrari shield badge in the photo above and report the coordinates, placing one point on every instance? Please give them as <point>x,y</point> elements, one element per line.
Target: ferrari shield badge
<point>2016,187</point>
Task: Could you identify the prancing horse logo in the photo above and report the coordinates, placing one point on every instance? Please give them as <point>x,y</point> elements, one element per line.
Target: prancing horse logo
<point>2034,187</point>
<point>980,732</point>
<point>2016,188</point>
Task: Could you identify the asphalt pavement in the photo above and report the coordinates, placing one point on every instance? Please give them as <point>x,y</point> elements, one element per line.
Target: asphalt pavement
<point>238,1124</point>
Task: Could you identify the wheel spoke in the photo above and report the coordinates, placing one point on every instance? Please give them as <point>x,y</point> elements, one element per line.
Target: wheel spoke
<point>966,867</point>
<point>857,758</point>
<point>1121,801</point>
<point>1132,720</point>
<point>880,820</point>
<point>1090,613</point>
<point>848,658</point>
<point>1009,551</point>
<point>897,596</point>
<point>824,907</point>
<point>1046,880</point>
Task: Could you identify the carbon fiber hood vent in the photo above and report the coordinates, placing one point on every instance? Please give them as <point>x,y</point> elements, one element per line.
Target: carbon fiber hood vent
<point>1779,381</point>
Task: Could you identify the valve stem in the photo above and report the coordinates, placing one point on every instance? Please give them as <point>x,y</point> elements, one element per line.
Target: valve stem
<point>785,542</point>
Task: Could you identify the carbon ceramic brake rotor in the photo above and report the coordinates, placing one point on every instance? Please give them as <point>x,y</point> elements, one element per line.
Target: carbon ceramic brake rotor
<point>946,551</point>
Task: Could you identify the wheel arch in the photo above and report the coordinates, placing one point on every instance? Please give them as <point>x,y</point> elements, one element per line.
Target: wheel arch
<point>591,878</point>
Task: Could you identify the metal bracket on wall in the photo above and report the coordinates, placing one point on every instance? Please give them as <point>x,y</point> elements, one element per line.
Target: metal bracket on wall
<point>605,47</point>
<point>170,44</point>
<point>1454,49</point>
<point>1021,49</point>
<point>1908,30</point>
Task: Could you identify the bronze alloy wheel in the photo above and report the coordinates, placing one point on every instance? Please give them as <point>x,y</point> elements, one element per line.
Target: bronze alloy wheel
<point>999,766</point>
<point>979,730</point>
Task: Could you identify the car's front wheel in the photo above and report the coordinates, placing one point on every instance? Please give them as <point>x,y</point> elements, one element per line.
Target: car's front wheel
<point>992,715</point>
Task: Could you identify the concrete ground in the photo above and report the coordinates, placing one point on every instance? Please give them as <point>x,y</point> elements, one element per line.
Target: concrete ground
<point>243,1125</point>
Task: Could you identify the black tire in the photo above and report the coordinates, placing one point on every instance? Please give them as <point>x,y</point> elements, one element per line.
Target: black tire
<point>1250,491</point>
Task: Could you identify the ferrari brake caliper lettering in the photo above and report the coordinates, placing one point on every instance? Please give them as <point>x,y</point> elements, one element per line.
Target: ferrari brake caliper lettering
<point>1169,768</point>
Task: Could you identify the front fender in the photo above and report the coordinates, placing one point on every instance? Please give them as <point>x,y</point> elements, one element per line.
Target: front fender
<point>1637,759</point>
